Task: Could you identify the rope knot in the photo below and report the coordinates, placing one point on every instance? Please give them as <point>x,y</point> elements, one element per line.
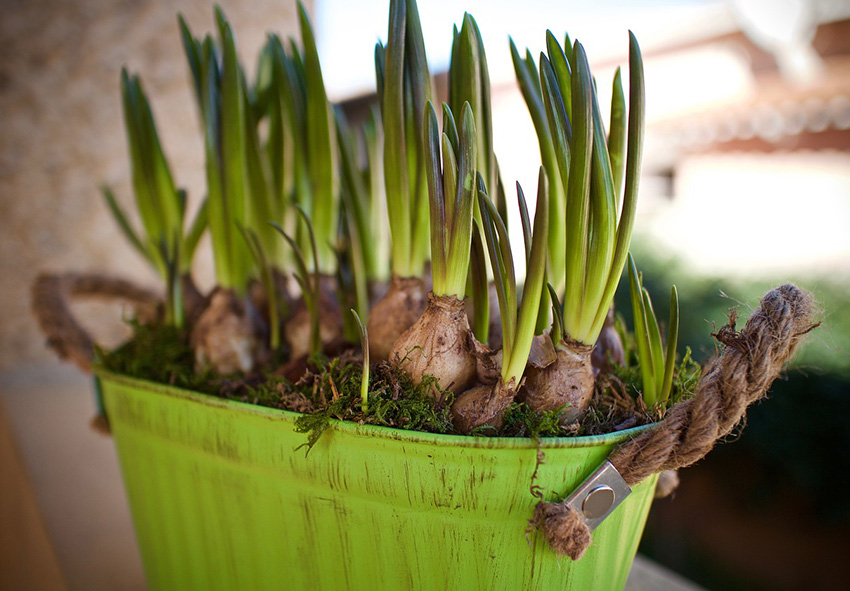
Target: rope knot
<point>564,528</point>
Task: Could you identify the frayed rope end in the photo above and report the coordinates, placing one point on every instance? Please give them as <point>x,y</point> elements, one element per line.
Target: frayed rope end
<point>563,527</point>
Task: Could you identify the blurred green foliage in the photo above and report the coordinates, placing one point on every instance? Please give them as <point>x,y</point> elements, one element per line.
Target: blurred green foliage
<point>793,448</point>
<point>705,303</point>
<point>799,435</point>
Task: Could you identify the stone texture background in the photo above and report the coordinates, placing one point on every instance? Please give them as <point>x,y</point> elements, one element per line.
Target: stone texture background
<point>62,136</point>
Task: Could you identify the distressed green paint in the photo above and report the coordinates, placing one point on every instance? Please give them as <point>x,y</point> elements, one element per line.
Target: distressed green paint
<point>222,500</point>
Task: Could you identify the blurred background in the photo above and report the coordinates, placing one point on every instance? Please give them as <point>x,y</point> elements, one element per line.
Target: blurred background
<point>746,185</point>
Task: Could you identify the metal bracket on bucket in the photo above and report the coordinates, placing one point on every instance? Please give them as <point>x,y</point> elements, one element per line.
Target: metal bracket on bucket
<point>599,494</point>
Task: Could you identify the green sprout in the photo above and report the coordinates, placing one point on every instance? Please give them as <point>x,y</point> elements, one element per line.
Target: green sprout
<point>321,148</point>
<point>451,187</point>
<point>656,363</point>
<point>469,81</point>
<point>161,206</point>
<point>518,324</point>
<point>253,179</point>
<point>378,253</point>
<point>356,218</point>
<point>308,280</point>
<point>597,240</point>
<point>267,280</point>
<point>529,85</point>
<point>364,380</point>
<point>404,88</point>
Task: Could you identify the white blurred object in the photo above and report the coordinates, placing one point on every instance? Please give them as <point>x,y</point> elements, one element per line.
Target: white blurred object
<point>786,29</point>
<point>756,214</point>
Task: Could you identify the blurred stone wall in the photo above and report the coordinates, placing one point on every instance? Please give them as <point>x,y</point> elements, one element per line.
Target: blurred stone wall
<point>62,136</point>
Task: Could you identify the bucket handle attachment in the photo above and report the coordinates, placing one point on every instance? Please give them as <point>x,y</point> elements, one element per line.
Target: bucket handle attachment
<point>742,374</point>
<point>52,295</point>
<point>599,494</point>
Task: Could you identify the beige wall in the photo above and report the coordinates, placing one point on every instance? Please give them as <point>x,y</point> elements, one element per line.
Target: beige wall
<point>62,136</point>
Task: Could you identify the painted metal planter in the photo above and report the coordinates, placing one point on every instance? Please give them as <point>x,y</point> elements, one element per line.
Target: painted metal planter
<point>222,498</point>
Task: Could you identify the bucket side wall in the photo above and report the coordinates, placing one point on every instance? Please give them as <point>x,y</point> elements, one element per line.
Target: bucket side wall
<point>223,499</point>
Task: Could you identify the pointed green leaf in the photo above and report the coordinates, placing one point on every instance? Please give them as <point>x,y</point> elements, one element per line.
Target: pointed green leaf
<point>460,231</point>
<point>479,291</point>
<point>395,157</point>
<point>633,165</point>
<point>123,223</point>
<point>562,69</point>
<point>533,288</point>
<point>192,48</point>
<point>364,379</point>
<point>193,236</point>
<point>578,194</point>
<point>323,158</point>
<point>436,199</point>
<point>672,341</point>
<point>617,136</point>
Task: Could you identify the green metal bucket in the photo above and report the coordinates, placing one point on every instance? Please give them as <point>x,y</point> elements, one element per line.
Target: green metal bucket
<point>221,499</point>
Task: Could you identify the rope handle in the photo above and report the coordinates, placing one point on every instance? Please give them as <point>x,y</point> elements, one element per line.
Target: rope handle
<point>751,360</point>
<point>52,295</point>
<point>741,375</point>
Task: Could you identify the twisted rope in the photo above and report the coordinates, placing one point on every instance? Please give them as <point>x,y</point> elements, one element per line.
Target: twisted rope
<point>751,360</point>
<point>51,303</point>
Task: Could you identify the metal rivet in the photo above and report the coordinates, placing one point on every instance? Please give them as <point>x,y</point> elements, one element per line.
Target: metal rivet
<point>598,501</point>
<point>598,495</point>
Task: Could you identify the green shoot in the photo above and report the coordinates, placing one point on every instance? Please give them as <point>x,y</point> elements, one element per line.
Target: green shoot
<point>287,138</point>
<point>597,239</point>
<point>518,326</point>
<point>469,81</point>
<point>634,156</point>
<point>478,288</point>
<point>174,313</point>
<point>161,206</point>
<point>451,204</point>
<point>262,203</point>
<point>157,199</point>
<point>218,87</point>
<point>253,179</point>
<point>351,286</point>
<point>364,345</point>
<point>230,208</point>
<point>189,243</point>
<point>355,200</point>
<point>267,280</point>
<point>275,103</point>
<point>404,88</point>
<point>378,255</point>
<point>656,363</point>
<point>529,84</point>
<point>308,280</point>
<point>557,333</point>
<point>617,135</point>
<point>321,150</point>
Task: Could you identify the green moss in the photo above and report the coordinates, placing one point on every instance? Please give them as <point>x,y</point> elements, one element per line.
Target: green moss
<point>159,353</point>
<point>332,386</point>
<point>522,421</point>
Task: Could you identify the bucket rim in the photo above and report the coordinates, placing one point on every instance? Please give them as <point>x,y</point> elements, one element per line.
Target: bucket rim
<point>380,431</point>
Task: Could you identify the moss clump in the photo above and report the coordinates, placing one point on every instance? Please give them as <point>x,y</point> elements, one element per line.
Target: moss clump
<point>522,421</point>
<point>332,387</point>
<point>159,353</point>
